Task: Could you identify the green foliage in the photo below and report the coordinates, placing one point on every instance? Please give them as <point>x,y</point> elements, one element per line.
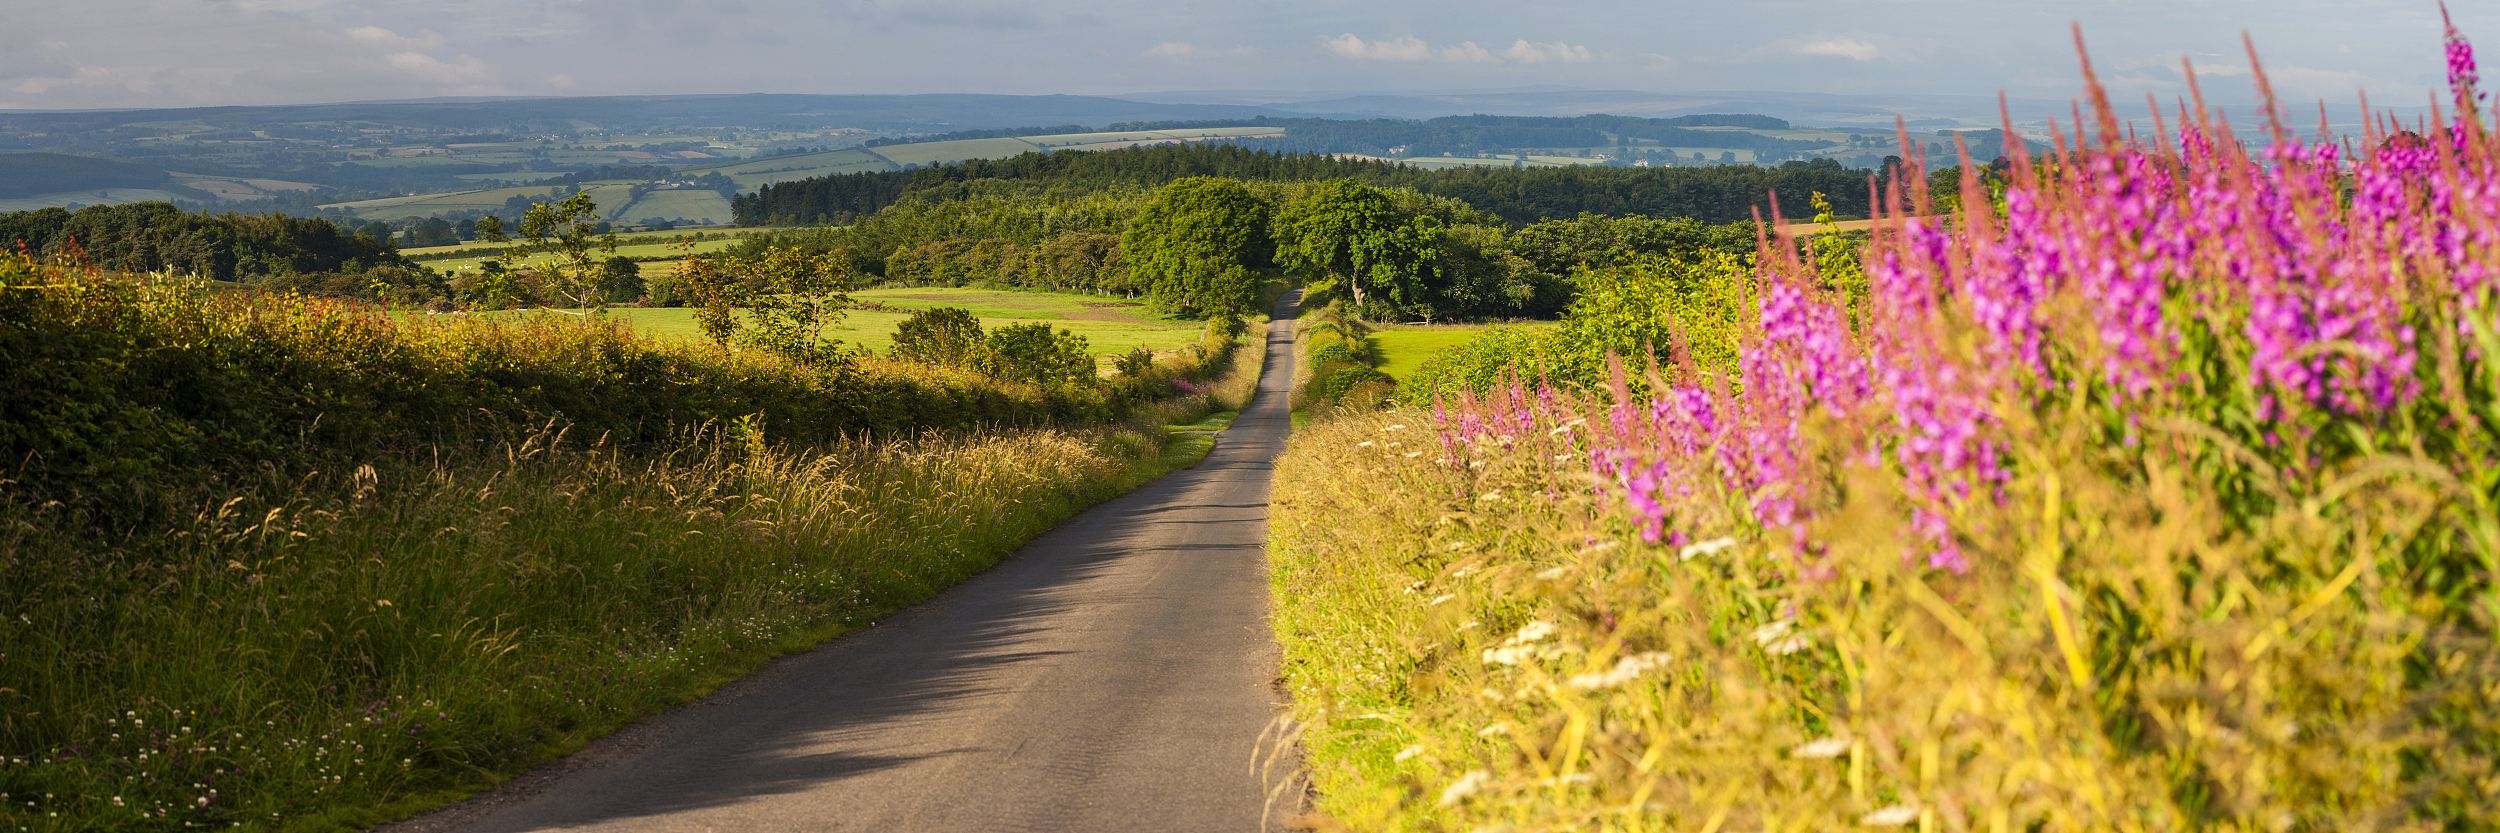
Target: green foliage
<point>947,336</point>
<point>1347,236</point>
<point>1683,312</point>
<point>156,237</point>
<point>793,296</point>
<point>1194,247</point>
<point>571,231</point>
<point>1034,354</point>
<point>705,283</point>
<point>124,398</point>
<point>620,279</point>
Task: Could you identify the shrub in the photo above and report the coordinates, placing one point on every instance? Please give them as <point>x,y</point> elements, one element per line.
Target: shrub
<point>946,336</point>
<point>1033,353</point>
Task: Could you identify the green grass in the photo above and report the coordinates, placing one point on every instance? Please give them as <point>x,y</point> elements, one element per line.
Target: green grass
<point>1405,348</point>
<point>696,206</point>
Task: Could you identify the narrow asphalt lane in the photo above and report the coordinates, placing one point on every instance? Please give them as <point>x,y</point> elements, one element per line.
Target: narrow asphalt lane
<point>1113,675</point>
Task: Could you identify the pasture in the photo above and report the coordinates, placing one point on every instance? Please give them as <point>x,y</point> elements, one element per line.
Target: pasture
<point>1403,348</point>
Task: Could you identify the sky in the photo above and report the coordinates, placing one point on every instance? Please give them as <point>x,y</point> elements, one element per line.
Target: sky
<point>151,53</point>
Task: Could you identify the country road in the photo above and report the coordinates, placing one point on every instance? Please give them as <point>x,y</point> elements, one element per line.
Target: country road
<point>1115,674</point>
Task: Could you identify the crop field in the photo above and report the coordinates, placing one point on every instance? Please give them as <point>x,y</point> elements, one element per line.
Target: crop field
<point>1110,326</point>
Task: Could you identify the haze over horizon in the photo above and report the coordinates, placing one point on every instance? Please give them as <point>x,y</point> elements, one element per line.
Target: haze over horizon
<point>168,53</point>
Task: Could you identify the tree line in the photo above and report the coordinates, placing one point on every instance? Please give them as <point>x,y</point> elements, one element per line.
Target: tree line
<point>1199,246</point>
<point>1519,196</point>
<point>157,237</point>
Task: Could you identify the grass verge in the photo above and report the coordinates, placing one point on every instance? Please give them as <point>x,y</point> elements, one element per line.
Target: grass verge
<point>389,638</point>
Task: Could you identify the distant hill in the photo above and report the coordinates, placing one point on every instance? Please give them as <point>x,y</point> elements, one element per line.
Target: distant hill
<point>36,174</point>
<point>761,110</point>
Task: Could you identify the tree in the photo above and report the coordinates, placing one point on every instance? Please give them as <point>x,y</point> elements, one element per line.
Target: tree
<point>796,295</point>
<point>1344,234</point>
<point>433,231</point>
<point>490,230</point>
<point>570,231</point>
<point>948,336</point>
<point>620,278</point>
<point>1195,247</point>
<point>705,283</point>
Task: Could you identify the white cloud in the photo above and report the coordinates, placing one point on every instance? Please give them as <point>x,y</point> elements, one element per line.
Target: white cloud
<point>1850,48</point>
<point>1172,49</point>
<point>1537,53</point>
<point>378,36</point>
<point>1467,52</point>
<point>1403,48</point>
<point>1408,48</point>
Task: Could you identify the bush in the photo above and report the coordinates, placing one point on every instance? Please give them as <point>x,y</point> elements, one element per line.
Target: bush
<point>945,336</point>
<point>1034,354</point>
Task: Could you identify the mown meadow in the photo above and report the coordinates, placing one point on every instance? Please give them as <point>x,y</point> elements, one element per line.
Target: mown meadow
<point>2150,487</point>
<point>281,563</point>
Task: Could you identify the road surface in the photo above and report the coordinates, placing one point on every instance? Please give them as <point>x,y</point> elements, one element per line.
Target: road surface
<point>1114,675</point>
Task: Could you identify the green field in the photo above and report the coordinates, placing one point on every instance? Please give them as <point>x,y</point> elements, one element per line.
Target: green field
<point>1404,348</point>
<point>1110,326</point>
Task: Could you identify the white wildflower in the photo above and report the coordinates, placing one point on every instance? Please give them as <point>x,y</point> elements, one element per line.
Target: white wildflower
<point>1533,631</point>
<point>1466,785</point>
<point>1820,748</point>
<point>1440,600</point>
<point>1626,670</point>
<point>1780,638</point>
<point>1509,654</point>
<point>1409,753</point>
<point>1894,816</point>
<point>1365,444</point>
<point>1491,496</point>
<point>1713,546</point>
<point>1398,427</point>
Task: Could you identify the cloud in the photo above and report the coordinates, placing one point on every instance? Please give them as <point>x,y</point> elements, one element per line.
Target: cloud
<point>1537,53</point>
<point>378,36</point>
<point>1408,48</point>
<point>1850,48</point>
<point>1403,48</point>
<point>1172,49</point>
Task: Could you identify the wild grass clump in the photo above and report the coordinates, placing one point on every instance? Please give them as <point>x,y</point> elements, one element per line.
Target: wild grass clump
<point>2154,493</point>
